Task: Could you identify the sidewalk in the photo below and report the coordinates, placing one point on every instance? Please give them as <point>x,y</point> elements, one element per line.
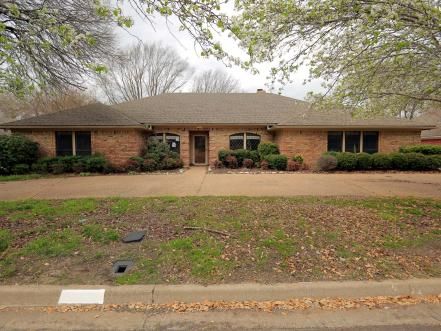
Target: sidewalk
<point>196,182</point>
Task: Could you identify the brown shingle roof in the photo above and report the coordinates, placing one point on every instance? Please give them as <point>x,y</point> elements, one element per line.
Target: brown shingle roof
<point>210,109</point>
<point>92,115</point>
<point>433,117</point>
<point>245,108</point>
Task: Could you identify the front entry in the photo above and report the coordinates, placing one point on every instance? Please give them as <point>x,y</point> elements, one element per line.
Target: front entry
<point>200,149</point>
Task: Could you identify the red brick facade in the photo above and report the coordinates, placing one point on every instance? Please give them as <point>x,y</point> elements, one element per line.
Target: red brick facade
<point>431,141</point>
<point>118,145</point>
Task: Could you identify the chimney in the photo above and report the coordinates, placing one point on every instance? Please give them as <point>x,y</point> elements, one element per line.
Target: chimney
<point>260,90</point>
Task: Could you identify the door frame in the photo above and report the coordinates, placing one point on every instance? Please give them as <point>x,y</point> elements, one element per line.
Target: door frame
<point>206,149</point>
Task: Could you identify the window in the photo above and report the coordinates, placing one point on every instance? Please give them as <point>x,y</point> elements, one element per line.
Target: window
<point>245,140</point>
<point>237,141</point>
<point>63,143</point>
<point>335,141</point>
<point>173,140</point>
<point>352,141</point>
<point>73,143</point>
<point>83,143</point>
<point>253,141</point>
<point>370,141</point>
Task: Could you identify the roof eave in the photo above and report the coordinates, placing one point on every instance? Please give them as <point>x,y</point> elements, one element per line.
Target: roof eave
<point>396,127</point>
<point>54,127</point>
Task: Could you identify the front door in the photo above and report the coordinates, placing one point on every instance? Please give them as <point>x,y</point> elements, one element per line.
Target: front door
<point>200,149</point>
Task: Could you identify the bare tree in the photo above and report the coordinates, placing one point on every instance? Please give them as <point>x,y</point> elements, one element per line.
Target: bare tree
<point>215,81</point>
<point>40,103</point>
<point>144,70</point>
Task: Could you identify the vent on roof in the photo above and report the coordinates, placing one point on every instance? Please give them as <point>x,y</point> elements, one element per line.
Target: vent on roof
<point>260,90</point>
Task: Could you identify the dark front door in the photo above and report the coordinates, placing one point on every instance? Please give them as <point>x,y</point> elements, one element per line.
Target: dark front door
<point>200,149</point>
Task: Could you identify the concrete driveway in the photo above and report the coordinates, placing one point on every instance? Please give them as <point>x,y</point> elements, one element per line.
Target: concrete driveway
<point>196,181</point>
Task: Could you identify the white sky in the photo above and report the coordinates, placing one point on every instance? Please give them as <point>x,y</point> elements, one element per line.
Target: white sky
<point>169,34</point>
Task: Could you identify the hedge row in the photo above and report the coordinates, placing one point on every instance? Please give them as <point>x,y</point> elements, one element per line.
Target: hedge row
<point>423,149</point>
<point>71,164</point>
<point>379,161</point>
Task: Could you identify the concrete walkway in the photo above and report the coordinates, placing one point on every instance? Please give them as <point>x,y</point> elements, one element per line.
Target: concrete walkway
<point>196,182</point>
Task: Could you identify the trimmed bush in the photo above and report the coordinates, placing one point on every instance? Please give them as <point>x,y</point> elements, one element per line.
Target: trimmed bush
<point>346,161</point>
<point>423,149</point>
<point>58,168</point>
<point>217,164</point>
<point>400,161</point>
<point>277,161</point>
<point>417,161</point>
<point>265,149</point>
<point>381,161</point>
<point>248,163</point>
<point>20,169</point>
<point>135,163</point>
<point>364,161</point>
<point>297,158</point>
<point>231,162</point>
<point>327,162</point>
<point>149,165</point>
<point>223,153</point>
<point>239,154</point>
<point>293,165</point>
<point>16,149</point>
<point>253,155</point>
<point>264,165</point>
<point>434,162</point>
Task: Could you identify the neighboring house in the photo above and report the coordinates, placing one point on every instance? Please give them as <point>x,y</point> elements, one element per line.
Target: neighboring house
<point>432,136</point>
<point>198,125</point>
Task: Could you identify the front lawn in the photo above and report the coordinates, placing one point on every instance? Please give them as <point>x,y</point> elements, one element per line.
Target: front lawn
<point>219,239</point>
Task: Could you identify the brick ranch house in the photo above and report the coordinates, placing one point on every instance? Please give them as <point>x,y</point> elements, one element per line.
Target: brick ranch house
<point>199,125</point>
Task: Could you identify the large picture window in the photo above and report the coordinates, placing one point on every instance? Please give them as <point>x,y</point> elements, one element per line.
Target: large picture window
<point>73,143</point>
<point>353,141</point>
<point>173,140</point>
<point>246,140</point>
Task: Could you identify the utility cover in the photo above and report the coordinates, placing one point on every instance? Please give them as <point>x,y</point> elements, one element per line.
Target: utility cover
<point>122,266</point>
<point>81,297</point>
<point>134,237</point>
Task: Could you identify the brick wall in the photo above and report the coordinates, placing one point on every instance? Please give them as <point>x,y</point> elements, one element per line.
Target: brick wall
<point>431,141</point>
<point>46,140</point>
<point>392,140</point>
<point>310,144</point>
<point>118,145</point>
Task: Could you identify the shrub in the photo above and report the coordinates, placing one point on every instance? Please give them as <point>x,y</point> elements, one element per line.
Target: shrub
<point>149,165</point>
<point>95,163</point>
<point>135,163</point>
<point>78,167</point>
<point>57,168</point>
<point>264,165</point>
<point>423,149</point>
<point>433,162</point>
<point>417,161</point>
<point>40,167</point>
<point>346,161</point>
<point>364,161</point>
<point>223,153</point>
<point>293,165</point>
<point>400,161</point>
<point>326,162</point>
<point>381,161</point>
<point>231,162</point>
<point>240,154</point>
<point>277,161</point>
<point>298,159</point>
<point>248,163</point>
<point>169,163</point>
<point>16,149</point>
<point>20,169</point>
<point>217,164</point>
<point>265,149</point>
<point>254,155</point>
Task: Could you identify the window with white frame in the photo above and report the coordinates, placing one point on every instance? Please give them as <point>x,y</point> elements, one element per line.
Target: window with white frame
<point>245,140</point>
<point>173,140</point>
<point>73,143</point>
<point>353,141</point>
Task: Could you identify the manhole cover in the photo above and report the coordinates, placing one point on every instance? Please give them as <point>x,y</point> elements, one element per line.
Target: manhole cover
<point>121,267</point>
<point>134,237</point>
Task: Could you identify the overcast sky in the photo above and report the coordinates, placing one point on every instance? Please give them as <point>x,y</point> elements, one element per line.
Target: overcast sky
<point>169,34</point>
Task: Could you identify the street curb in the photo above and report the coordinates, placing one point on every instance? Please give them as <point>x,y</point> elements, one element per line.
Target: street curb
<point>47,295</point>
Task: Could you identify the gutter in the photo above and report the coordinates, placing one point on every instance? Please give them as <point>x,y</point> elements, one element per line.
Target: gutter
<point>54,127</point>
<point>413,127</point>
